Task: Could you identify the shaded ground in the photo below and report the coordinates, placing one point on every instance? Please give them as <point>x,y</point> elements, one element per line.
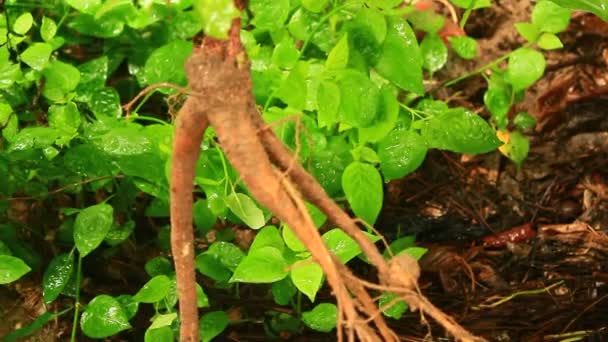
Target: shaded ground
<point>549,284</point>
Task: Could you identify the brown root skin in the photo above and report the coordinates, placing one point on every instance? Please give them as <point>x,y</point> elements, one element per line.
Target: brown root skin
<point>189,129</point>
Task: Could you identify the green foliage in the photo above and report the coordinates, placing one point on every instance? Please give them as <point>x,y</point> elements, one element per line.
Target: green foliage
<point>351,72</point>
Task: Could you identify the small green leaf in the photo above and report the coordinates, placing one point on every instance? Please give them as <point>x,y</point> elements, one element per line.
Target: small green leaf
<point>386,117</point>
<point>267,236</point>
<point>36,56</point>
<point>48,29</point>
<point>434,52</point>
<point>401,152</point>
<point>285,54</point>
<point>498,101</point>
<point>464,46</point>
<point>342,245</point>
<point>162,334</point>
<point>414,251</point>
<point>204,219</point>
<point>292,241</point>
<point>103,317</point>
<point>400,60</point>
<point>154,290</point>
<point>307,276</point>
<point>65,118</point>
<point>517,147</point>
<point>397,308</point>
<point>129,306</point>
<point>293,88</point>
<point>246,209</point>
<point>549,41</point>
<point>227,253</point>
<point>202,301</point>
<point>399,245</point>
<point>166,64</point>
<point>526,66</point>
<point>550,17</point>
<point>158,265</point>
<point>528,30</point>
<point>212,324</point>
<point>86,6</point>
<point>57,276</point>
<point>314,6</point>
<point>11,269</point>
<point>362,186</point>
<point>23,23</point>
<point>5,113</point>
<point>212,268</point>
<point>160,321</point>
<point>216,16</point>
<point>283,290</point>
<point>322,317</point>
<point>105,102</point>
<point>524,120</point>
<point>264,265</point>
<point>61,78</point>
<point>269,14</point>
<point>91,227</point>
<point>328,102</point>
<point>337,59</point>
<point>359,98</point>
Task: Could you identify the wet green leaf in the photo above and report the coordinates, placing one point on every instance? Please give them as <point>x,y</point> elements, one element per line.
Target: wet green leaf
<point>103,317</point>
<point>264,265</point>
<point>465,47</point>
<point>48,29</point>
<point>549,41</point>
<point>154,290</point>
<point>268,236</point>
<point>283,290</point>
<point>434,52</point>
<point>307,276</point>
<point>216,16</point>
<point>91,227</point>
<point>212,324</point>
<point>246,209</point>
<point>61,78</point>
<point>362,186</point>
<point>322,317</point>
<point>23,23</point>
<point>162,334</point>
<point>11,269</point>
<point>401,152</point>
<point>526,66</point>
<point>550,17</point>
<point>166,64</point>
<point>524,120</point>
<point>56,276</point>
<point>37,55</point>
<point>269,14</point>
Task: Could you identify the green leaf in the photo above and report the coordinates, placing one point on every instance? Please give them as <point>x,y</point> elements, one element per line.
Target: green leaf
<point>119,233</point>
<point>202,301</point>
<point>9,73</point>
<point>362,186</point>
<point>328,102</point>
<point>401,152</point>
<point>337,59</point>
<point>268,236</point>
<point>366,33</point>
<point>166,64</point>
<point>246,210</point>
<point>158,265</point>
<point>427,20</point>
<point>386,118</point>
<point>227,253</point>
<point>285,54</point>
<point>498,101</point>
<point>91,227</point>
<point>160,321</point>
<point>528,30</point>
<point>263,265</point>
<point>597,7</point>
<point>434,52</point>
<point>11,269</point>
<point>23,23</point>
<point>516,148</point>
<point>549,41</point>
<point>322,317</point>
<point>103,317</point>
<point>212,267</point>
<point>550,17</point>
<point>293,88</point>
<point>162,334</point>
<point>61,78</point>
<point>459,130</point>
<point>472,4</point>
<point>526,66</point>
<point>129,306</point>
<point>65,118</point>
<point>57,276</point>
<point>86,6</point>
<point>154,290</point>
<point>5,113</point>
<point>399,245</point>
<point>464,46</point>
<point>48,29</point>
<point>292,241</point>
<point>36,56</point>
<point>204,219</point>
<point>269,14</point>
<point>283,290</point>
<point>359,98</point>
<point>212,324</point>
<point>216,16</point>
<point>342,245</point>
<point>105,102</point>
<point>524,120</point>
<point>414,252</point>
<point>400,60</point>
<point>314,6</point>
<point>397,308</point>
<point>307,276</point>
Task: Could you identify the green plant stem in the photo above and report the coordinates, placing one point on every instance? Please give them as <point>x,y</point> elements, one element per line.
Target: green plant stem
<point>147,118</point>
<point>77,299</point>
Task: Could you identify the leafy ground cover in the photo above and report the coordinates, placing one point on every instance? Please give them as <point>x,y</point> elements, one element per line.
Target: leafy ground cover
<point>431,121</point>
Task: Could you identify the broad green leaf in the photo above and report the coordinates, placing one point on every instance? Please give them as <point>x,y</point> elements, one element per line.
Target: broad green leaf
<point>498,102</point>
<point>337,59</point>
<point>246,210</point>
<point>264,265</point>
<point>103,317</point>
<point>434,52</point>
<point>342,245</point>
<point>550,17</point>
<point>128,305</point>
<point>293,88</point>
<point>9,73</point>
<point>91,227</point>
<point>124,141</point>
<point>166,64</point>
<point>459,130</point>
<point>400,60</point>
<point>549,41</point>
<point>285,54</point>
<point>212,267</point>
<point>23,23</point>
<point>465,47</point>
<point>216,16</point>
<point>11,269</point>
<point>5,113</point>
<point>283,290</point>
<point>212,324</point>
<point>526,66</point>
<point>33,137</point>
<point>48,29</point>
<point>36,56</point>
<point>399,245</point>
<point>61,78</point>
<point>366,33</point>
<point>527,30</point>
<point>204,219</point>
<point>524,120</point>
<point>401,152</point>
<point>314,5</point>
<point>328,102</point>
<point>93,75</point>
<point>267,236</point>
<point>516,148</point>
<point>359,98</point>
<point>154,290</point>
<point>597,7</point>
<point>307,276</point>
<point>322,317</point>
<point>291,240</point>
<point>162,334</point>
<point>119,233</point>
<point>362,186</point>
<point>386,118</point>
<point>158,265</point>
<point>165,320</point>
<point>86,6</point>
<point>105,102</point>
<point>227,254</point>
<point>397,307</point>
<point>414,251</point>
<point>65,118</point>
<point>269,14</point>
<point>57,276</point>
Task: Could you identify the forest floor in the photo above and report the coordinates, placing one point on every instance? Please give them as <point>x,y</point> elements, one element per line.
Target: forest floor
<point>546,279</point>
